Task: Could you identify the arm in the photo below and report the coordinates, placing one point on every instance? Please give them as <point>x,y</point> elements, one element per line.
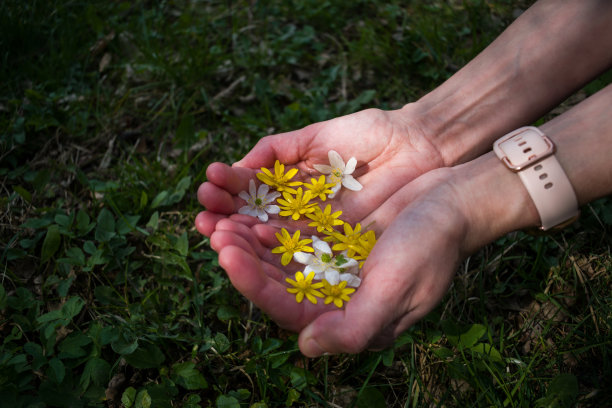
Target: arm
<point>473,199</point>
<point>550,51</point>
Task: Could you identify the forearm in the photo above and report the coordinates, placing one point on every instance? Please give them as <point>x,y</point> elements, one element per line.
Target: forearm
<point>495,198</point>
<point>553,49</point>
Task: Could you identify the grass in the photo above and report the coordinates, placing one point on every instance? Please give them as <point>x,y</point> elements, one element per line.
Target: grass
<point>110,113</point>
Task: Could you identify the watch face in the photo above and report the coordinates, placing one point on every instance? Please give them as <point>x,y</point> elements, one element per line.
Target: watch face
<point>523,148</point>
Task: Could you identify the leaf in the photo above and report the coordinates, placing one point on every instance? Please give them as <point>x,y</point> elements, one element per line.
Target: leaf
<point>472,335</point>
<point>185,132</point>
<point>76,256</point>
<point>187,376</point>
<point>72,346</point>
<point>143,400</point>
<point>561,393</point>
<point>371,398</point>
<point>124,344</point>
<point>387,357</point>
<point>3,298</point>
<point>105,230</point>
<point>51,243</point>
<point>292,396</point>
<point>225,313</point>
<point>57,370</point>
<point>226,401</point>
<point>153,221</point>
<point>127,223</point>
<point>72,307</point>
<point>298,378</point>
<point>221,342</point>
<point>83,223</point>
<point>147,356</point>
<point>107,295</point>
<point>96,371</point>
<point>486,349</point>
<point>182,244</point>
<point>159,199</point>
<point>129,397</point>
<point>90,247</point>
<point>23,193</point>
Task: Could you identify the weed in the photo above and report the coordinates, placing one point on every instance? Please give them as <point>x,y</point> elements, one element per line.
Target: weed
<point>110,113</point>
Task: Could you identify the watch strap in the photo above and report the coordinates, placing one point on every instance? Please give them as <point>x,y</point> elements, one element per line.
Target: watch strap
<point>529,153</point>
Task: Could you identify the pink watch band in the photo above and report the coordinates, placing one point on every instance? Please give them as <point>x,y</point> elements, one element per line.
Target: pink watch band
<point>528,152</point>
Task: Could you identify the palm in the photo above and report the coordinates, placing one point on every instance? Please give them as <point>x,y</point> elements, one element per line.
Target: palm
<point>388,151</point>
<point>399,287</point>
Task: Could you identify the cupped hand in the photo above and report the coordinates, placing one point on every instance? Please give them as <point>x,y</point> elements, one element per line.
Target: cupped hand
<point>422,229</point>
<point>391,149</point>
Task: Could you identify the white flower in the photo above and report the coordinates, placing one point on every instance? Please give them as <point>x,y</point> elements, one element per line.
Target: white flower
<point>339,173</point>
<point>325,265</point>
<point>258,202</point>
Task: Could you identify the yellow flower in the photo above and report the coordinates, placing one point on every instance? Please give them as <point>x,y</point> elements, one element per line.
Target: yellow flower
<point>325,220</point>
<point>365,246</point>
<point>296,206</point>
<point>280,179</point>
<point>304,287</point>
<point>291,245</point>
<point>336,293</point>
<point>318,188</point>
<point>349,241</point>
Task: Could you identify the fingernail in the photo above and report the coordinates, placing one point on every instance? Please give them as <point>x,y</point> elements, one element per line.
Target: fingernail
<point>312,348</point>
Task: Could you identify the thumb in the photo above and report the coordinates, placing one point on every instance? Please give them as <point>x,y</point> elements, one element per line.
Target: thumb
<point>288,148</point>
<point>350,330</point>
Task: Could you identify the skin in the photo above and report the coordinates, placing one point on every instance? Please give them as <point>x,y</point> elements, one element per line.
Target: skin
<point>404,160</point>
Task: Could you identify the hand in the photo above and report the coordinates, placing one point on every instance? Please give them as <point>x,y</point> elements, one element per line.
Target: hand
<point>405,276</point>
<point>390,146</point>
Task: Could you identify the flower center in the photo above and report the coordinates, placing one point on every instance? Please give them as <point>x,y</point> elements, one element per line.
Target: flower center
<point>326,258</point>
<point>258,202</point>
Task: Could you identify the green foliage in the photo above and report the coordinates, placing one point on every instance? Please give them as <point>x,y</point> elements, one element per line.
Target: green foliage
<point>110,113</point>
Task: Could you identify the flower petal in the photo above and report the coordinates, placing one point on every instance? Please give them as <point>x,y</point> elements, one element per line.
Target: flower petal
<point>335,160</point>
<point>271,197</point>
<point>248,210</point>
<point>321,246</point>
<point>303,258</point>
<point>286,258</point>
<point>332,276</point>
<point>272,209</point>
<point>322,168</point>
<point>244,195</point>
<point>350,279</point>
<point>350,183</point>
<point>316,268</point>
<point>262,191</point>
<point>262,215</point>
<point>350,166</point>
<point>350,262</point>
<point>252,190</point>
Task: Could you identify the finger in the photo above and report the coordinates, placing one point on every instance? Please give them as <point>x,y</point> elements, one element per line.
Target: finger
<point>222,238</point>
<point>247,234</point>
<point>248,276</point>
<point>383,296</point>
<point>216,199</point>
<point>231,179</point>
<point>349,330</point>
<point>206,221</point>
<point>288,148</point>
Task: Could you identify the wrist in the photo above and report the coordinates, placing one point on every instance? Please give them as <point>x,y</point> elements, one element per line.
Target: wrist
<point>493,199</point>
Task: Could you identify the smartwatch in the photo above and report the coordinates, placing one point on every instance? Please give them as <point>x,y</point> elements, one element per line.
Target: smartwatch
<point>530,154</point>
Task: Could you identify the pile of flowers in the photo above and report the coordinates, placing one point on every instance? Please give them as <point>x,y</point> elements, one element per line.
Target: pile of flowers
<point>333,259</point>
